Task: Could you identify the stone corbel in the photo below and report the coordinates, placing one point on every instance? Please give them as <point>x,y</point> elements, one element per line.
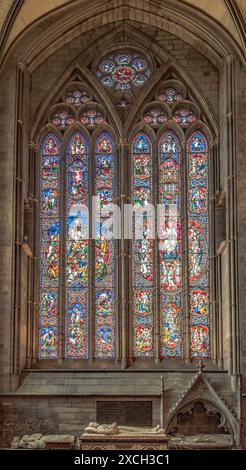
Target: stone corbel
<point>26,248</point>
<point>222,247</point>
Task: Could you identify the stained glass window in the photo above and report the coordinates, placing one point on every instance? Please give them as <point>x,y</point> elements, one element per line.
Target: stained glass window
<point>170,95</point>
<point>62,119</point>
<point>155,117</point>
<point>197,154</point>
<point>123,71</point>
<point>168,275</point>
<point>77,97</point>
<point>91,119</point>
<point>142,248</point>
<point>170,246</point>
<point>49,247</point>
<point>184,117</point>
<point>76,336</point>
<point>105,269</point>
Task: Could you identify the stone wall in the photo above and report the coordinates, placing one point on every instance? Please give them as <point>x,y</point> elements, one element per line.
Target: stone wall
<point>50,415</point>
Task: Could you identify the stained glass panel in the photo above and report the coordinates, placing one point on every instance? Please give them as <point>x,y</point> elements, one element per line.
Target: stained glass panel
<point>142,249</point>
<point>49,247</point>
<point>170,95</point>
<point>197,151</point>
<point>155,117</point>
<point>62,119</point>
<point>76,321</point>
<point>105,251</point>
<point>184,117</point>
<point>77,97</point>
<point>123,71</point>
<point>170,246</point>
<point>91,119</point>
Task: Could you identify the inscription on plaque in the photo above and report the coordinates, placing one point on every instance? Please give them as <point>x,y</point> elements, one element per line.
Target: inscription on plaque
<point>127,413</point>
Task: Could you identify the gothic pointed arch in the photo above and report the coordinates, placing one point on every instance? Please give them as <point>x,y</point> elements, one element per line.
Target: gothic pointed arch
<point>200,400</point>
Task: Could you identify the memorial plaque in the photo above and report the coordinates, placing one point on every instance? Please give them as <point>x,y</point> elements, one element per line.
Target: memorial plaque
<point>126,413</point>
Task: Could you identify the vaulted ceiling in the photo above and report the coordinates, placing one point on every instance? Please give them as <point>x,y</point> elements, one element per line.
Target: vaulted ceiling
<point>17,15</point>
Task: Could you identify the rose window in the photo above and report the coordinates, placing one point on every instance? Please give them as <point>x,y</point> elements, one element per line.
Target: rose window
<point>123,71</point>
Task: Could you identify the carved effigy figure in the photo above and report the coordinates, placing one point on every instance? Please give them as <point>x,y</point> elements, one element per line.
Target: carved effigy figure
<point>114,429</point>
<point>202,441</point>
<point>38,441</point>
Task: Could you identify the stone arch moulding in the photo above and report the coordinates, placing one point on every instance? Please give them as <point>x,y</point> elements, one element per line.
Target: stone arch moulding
<point>75,71</point>
<point>190,84</point>
<point>167,66</point>
<point>200,389</point>
<point>184,21</point>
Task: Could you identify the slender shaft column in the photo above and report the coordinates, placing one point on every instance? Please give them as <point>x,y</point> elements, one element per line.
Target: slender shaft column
<point>232,218</point>
<point>212,257</point>
<point>185,253</point>
<point>18,221</point>
<point>34,163</point>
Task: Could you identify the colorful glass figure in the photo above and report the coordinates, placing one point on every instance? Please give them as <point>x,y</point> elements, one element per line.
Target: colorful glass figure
<point>76,324</point>
<point>170,250</point>
<point>143,323</point>
<point>77,97</point>
<point>49,247</point>
<point>171,321</point>
<point>105,324</point>
<point>76,318</point>
<point>62,119</point>
<point>170,95</point>
<point>197,152</point>
<point>105,269</point>
<point>142,249</point>
<point>123,71</point>
<point>91,119</point>
<point>155,117</point>
<point>184,117</point>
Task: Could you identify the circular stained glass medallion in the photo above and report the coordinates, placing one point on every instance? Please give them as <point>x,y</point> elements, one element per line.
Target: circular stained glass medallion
<point>62,119</point>
<point>170,95</point>
<point>184,117</point>
<point>91,119</point>
<point>77,97</point>
<point>155,117</point>
<point>123,71</point>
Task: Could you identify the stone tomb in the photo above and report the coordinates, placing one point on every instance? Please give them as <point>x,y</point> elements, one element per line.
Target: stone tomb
<point>114,437</point>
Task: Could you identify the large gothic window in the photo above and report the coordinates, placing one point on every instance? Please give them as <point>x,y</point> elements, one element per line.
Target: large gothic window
<point>81,288</point>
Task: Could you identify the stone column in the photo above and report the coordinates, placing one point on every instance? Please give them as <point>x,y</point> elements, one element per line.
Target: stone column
<point>232,218</point>
<point>18,222</point>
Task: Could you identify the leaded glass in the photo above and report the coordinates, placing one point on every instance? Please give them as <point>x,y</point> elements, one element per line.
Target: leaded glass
<point>105,269</point>
<point>76,323</point>
<point>49,247</point>
<point>170,95</point>
<point>142,249</point>
<point>77,97</point>
<point>123,71</point>
<point>91,119</point>
<point>170,246</point>
<point>75,274</point>
<point>62,119</point>
<point>155,117</point>
<point>197,152</point>
<point>184,117</point>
